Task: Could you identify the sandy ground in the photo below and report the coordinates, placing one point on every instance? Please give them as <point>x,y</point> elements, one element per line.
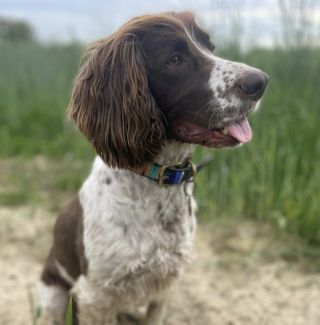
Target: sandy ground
<point>230,282</point>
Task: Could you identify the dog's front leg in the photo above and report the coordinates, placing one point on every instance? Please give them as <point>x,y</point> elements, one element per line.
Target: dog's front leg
<point>95,306</point>
<point>155,313</point>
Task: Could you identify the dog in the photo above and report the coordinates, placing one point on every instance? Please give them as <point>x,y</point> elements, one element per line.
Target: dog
<point>143,97</point>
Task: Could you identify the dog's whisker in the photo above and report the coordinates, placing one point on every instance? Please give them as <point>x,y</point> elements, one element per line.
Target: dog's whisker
<point>211,101</point>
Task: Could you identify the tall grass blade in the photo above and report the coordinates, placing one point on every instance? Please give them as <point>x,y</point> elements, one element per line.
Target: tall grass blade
<point>69,313</point>
<point>34,312</point>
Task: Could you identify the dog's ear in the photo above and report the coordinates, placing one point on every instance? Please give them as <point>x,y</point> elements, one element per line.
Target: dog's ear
<point>111,103</point>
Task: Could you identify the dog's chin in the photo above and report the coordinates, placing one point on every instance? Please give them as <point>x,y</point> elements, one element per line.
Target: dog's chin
<point>231,135</point>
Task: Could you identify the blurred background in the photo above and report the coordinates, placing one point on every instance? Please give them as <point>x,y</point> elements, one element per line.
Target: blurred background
<point>273,180</point>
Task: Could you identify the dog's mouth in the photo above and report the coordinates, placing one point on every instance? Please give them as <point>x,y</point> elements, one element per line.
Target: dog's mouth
<point>228,136</point>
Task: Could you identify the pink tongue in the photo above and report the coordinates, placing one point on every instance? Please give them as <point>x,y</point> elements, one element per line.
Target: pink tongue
<point>241,131</point>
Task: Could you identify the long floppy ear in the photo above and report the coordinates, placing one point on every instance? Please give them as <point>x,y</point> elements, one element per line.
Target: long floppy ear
<point>111,104</point>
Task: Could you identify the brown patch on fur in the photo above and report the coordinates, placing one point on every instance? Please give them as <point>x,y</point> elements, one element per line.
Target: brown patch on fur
<point>111,102</point>
<point>219,90</point>
<point>108,180</point>
<point>171,226</point>
<point>226,79</point>
<point>50,274</point>
<point>68,248</point>
<point>151,308</point>
<point>224,72</point>
<point>125,318</point>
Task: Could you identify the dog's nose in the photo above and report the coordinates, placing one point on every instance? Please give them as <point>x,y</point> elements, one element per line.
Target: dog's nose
<point>255,84</point>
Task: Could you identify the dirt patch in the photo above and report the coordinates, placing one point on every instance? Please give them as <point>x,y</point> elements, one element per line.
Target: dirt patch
<point>229,283</point>
<point>235,288</point>
<point>25,237</point>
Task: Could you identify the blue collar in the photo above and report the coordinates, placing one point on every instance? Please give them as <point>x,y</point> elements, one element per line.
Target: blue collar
<point>172,174</point>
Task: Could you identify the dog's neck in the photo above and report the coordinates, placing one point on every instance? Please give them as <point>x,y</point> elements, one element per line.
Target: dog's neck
<point>174,151</point>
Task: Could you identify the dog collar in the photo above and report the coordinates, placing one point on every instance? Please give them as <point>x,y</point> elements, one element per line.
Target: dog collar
<point>174,173</point>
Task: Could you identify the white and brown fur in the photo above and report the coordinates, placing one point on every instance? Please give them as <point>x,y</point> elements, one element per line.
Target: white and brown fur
<point>123,240</point>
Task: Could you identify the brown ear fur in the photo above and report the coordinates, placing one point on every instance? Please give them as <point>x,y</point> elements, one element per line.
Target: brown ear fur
<point>112,105</point>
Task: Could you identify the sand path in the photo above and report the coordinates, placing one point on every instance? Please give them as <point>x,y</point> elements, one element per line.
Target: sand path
<point>229,282</point>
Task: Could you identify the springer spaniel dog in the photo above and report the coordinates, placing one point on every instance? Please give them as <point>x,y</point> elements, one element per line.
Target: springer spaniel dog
<point>143,97</point>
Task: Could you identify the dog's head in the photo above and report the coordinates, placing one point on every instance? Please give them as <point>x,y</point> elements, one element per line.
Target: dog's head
<point>157,78</point>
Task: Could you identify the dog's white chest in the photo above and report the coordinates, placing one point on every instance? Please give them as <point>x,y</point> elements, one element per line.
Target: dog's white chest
<point>138,236</point>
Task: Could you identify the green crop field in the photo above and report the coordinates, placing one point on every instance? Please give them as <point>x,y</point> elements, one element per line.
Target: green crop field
<point>275,177</point>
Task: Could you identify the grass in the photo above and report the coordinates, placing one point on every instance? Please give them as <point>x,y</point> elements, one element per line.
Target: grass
<point>69,313</point>
<point>275,177</point>
<point>35,312</point>
<point>41,180</point>
<point>35,87</point>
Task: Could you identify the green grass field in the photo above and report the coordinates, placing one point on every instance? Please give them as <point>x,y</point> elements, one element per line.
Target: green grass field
<point>275,177</point>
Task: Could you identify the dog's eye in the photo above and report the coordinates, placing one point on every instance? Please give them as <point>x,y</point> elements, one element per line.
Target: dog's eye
<point>175,61</point>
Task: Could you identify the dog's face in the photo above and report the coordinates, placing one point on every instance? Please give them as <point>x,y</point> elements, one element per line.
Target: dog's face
<point>157,78</point>
<point>199,93</point>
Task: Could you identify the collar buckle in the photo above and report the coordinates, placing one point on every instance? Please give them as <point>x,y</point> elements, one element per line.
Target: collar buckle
<point>162,176</point>
<point>194,169</point>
